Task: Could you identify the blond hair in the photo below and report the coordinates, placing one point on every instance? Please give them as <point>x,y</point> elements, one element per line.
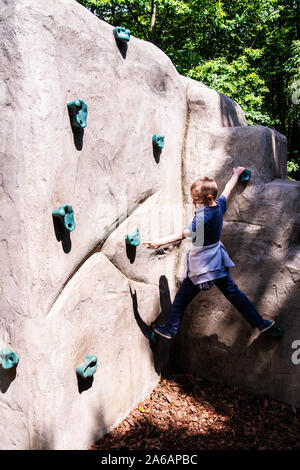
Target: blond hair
<point>204,186</point>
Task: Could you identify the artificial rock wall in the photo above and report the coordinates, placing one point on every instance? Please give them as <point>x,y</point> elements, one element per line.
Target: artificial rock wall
<point>90,294</point>
<point>262,234</point>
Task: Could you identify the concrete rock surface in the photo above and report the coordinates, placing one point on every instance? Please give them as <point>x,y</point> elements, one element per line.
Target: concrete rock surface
<point>88,292</point>
<point>261,233</point>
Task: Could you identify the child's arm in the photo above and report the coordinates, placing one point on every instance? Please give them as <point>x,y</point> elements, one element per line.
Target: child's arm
<point>164,241</point>
<point>232,182</point>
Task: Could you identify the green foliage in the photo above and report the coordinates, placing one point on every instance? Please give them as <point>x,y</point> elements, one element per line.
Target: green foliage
<point>292,169</point>
<point>292,90</point>
<point>246,49</point>
<point>136,15</point>
<point>240,81</point>
<point>292,166</point>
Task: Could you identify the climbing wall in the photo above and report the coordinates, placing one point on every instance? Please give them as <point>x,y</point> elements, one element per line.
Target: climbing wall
<point>72,292</point>
<point>261,232</point>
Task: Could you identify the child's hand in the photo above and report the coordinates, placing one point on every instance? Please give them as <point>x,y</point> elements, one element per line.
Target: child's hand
<point>238,170</point>
<point>233,181</point>
<point>153,244</point>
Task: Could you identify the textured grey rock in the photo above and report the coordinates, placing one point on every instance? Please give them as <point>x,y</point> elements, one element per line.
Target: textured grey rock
<point>261,232</point>
<point>60,302</point>
<point>90,294</point>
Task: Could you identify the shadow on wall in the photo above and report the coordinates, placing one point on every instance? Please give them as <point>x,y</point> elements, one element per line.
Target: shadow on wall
<point>7,376</point>
<point>44,442</point>
<point>221,362</point>
<point>122,46</point>
<point>84,384</point>
<point>161,348</point>
<point>62,235</point>
<point>229,115</point>
<point>156,152</point>
<point>130,252</point>
<point>78,133</point>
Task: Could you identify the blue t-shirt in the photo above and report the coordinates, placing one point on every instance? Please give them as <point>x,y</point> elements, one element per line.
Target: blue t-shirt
<point>207,223</point>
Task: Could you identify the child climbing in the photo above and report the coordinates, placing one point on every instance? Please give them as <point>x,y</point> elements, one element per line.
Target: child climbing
<point>207,263</point>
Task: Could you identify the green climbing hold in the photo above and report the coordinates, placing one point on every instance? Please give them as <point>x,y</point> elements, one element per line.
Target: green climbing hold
<point>122,34</point>
<point>78,113</point>
<point>133,239</point>
<point>8,358</point>
<point>152,337</point>
<point>89,367</point>
<point>245,176</point>
<point>67,214</point>
<point>158,140</point>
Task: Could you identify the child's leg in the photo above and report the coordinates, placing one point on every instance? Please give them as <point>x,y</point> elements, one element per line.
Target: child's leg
<point>186,292</point>
<point>241,302</point>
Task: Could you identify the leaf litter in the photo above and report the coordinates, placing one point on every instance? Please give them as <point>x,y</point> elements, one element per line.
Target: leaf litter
<point>187,412</point>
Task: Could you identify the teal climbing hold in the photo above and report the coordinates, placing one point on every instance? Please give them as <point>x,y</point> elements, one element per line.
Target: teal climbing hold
<point>275,331</point>
<point>245,176</point>
<point>133,238</point>
<point>122,34</point>
<point>78,113</point>
<point>67,214</point>
<point>158,140</point>
<point>152,337</point>
<point>89,367</point>
<point>8,358</point>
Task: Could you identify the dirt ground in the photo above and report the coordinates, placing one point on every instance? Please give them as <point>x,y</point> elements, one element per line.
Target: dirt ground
<point>186,412</point>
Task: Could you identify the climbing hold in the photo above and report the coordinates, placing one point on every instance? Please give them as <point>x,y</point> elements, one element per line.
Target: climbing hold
<point>89,367</point>
<point>78,113</point>
<point>133,238</point>
<point>275,331</point>
<point>8,358</point>
<point>245,176</point>
<point>66,213</point>
<point>122,34</point>
<point>152,337</point>
<point>158,140</point>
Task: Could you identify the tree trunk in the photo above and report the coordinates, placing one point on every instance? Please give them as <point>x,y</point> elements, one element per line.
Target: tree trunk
<point>153,20</point>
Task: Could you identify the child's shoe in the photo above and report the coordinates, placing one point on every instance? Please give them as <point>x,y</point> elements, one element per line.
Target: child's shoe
<point>271,329</point>
<point>267,324</point>
<point>160,331</point>
<point>275,331</point>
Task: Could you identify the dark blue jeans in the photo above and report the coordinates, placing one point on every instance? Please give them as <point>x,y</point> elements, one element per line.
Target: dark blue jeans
<point>187,291</point>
